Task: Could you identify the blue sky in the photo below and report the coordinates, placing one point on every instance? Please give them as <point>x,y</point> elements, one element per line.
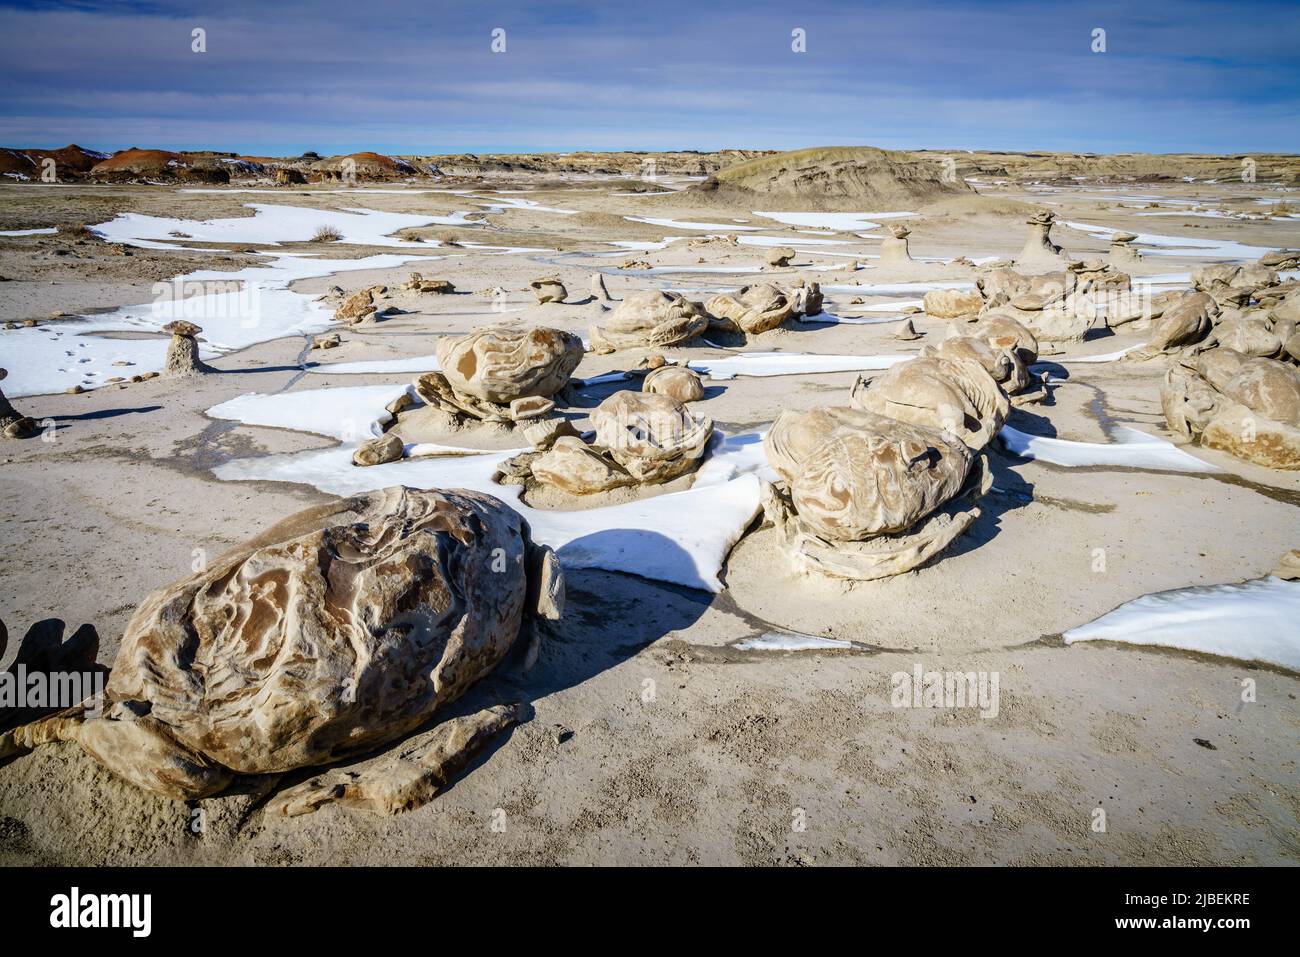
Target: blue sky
<point>420,77</point>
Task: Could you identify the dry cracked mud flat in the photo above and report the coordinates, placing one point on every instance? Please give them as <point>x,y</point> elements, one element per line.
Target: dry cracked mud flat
<point>708,693</point>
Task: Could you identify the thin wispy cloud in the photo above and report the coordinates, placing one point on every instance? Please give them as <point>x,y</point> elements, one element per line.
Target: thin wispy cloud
<point>422,77</point>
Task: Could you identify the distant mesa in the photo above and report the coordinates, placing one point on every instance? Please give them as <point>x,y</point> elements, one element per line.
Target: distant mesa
<point>27,164</point>
<point>372,167</point>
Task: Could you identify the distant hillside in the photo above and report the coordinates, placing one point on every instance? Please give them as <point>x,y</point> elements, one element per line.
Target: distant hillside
<point>837,177</point>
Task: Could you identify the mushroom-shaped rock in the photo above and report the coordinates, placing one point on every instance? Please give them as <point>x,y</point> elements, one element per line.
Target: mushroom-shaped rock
<point>952,303</point>
<point>14,425</point>
<point>864,496</point>
<point>501,364</point>
<point>1122,252</point>
<point>341,629</point>
<point>1039,250</point>
<point>549,289</point>
<point>651,319</point>
<point>956,396</point>
<point>780,256</point>
<point>753,310</point>
<point>893,248</point>
<point>183,351</point>
<point>676,382</point>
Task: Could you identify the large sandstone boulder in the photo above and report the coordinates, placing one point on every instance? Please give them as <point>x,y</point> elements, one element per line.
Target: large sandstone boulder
<point>1006,332</point>
<point>1246,406</point>
<point>650,319</point>
<point>501,364</point>
<point>753,310</point>
<point>952,303</point>
<point>955,396</point>
<point>640,439</point>
<point>863,496</point>
<point>1184,323</point>
<point>1249,336</point>
<point>339,630</point>
<point>676,382</point>
<point>1000,361</point>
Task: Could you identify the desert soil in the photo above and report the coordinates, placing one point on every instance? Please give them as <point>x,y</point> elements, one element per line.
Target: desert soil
<point>651,738</point>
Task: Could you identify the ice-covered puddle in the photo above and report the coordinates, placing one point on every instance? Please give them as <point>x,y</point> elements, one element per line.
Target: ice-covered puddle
<point>1189,248</point>
<point>272,224</point>
<point>680,224</point>
<point>844,222</point>
<point>235,310</point>
<point>680,537</point>
<point>789,641</point>
<point>1251,621</point>
<point>763,364</point>
<point>1131,449</point>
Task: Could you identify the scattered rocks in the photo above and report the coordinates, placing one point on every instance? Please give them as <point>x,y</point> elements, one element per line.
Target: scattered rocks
<point>549,290</point>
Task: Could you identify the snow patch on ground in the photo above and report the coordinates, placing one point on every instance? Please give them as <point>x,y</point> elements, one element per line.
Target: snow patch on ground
<point>681,537</point>
<point>1251,621</point>
<point>1131,449</point>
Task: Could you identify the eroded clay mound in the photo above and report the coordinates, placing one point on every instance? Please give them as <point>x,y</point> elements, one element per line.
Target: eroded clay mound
<point>847,177</point>
<point>652,319</point>
<point>340,629</point>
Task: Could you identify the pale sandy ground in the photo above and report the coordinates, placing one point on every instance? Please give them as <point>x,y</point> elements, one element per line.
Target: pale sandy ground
<point>739,757</point>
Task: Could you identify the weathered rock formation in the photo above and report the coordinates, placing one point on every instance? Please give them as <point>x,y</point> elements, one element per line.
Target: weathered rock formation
<point>341,629</point>
<point>1039,252</point>
<point>676,382</point>
<point>953,304</point>
<point>183,351</point>
<point>500,373</point>
<point>752,310</point>
<point>955,395</point>
<point>548,289</point>
<point>13,424</point>
<point>641,438</point>
<point>649,319</point>
<point>1244,405</point>
<point>863,496</point>
<point>893,248</point>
